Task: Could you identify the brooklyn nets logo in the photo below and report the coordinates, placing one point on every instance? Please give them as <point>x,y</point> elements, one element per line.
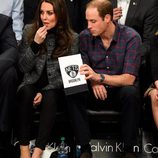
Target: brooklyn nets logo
<point>72,70</point>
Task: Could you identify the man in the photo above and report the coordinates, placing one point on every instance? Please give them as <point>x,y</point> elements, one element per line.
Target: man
<point>141,16</point>
<point>112,60</point>
<point>14,9</point>
<point>8,79</point>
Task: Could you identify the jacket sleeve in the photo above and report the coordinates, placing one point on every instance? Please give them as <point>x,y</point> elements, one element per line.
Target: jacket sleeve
<point>18,16</point>
<point>8,45</point>
<point>27,58</point>
<point>154,58</point>
<point>150,27</point>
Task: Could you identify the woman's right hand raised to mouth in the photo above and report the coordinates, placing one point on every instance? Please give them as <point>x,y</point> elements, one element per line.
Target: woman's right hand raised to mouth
<point>40,35</point>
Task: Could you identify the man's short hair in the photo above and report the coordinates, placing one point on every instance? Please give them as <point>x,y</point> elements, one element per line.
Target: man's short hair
<point>103,6</point>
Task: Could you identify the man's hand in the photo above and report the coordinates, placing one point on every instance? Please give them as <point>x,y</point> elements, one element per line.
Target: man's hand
<point>117,13</point>
<point>99,91</point>
<point>37,100</point>
<point>89,73</point>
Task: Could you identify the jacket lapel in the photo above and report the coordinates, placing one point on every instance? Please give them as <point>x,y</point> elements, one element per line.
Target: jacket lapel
<point>114,3</point>
<point>131,11</point>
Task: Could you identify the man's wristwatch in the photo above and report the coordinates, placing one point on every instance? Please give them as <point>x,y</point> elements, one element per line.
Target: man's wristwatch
<point>102,78</point>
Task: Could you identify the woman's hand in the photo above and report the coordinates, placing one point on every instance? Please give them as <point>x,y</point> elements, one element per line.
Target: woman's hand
<point>40,35</point>
<point>156,84</point>
<point>37,100</point>
<point>154,94</point>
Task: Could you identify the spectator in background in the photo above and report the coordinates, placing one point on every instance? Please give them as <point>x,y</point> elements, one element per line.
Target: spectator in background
<point>152,91</point>
<point>143,17</point>
<point>30,7</point>
<point>48,38</point>
<point>14,9</point>
<point>76,9</point>
<point>8,82</point>
<point>112,60</point>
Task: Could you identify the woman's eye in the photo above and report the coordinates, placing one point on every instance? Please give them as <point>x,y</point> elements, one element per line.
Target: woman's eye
<point>50,13</point>
<point>41,12</point>
<point>47,12</point>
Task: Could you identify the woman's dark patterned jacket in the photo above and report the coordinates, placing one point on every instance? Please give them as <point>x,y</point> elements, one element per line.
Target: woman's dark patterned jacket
<point>32,65</point>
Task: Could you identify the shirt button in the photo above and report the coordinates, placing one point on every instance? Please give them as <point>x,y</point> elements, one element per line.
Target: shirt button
<point>107,56</point>
<point>107,67</point>
<point>106,86</point>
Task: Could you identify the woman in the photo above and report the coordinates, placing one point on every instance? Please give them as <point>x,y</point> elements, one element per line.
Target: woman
<point>43,42</point>
<point>152,91</point>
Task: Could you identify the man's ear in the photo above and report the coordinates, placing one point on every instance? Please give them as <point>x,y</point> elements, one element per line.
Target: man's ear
<point>107,18</point>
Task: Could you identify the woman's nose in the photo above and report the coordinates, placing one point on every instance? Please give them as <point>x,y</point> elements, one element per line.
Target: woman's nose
<point>44,16</point>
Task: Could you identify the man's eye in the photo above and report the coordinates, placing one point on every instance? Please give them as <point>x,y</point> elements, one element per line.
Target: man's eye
<point>93,21</point>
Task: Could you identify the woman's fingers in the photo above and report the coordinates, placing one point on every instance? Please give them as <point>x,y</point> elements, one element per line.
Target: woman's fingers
<point>38,98</point>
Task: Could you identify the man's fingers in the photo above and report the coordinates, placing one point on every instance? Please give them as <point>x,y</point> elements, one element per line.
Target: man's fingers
<point>95,93</point>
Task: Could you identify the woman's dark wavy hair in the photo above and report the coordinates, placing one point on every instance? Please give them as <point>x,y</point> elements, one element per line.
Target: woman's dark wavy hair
<point>63,31</point>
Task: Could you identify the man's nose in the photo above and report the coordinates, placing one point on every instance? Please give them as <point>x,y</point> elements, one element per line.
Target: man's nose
<point>89,26</point>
